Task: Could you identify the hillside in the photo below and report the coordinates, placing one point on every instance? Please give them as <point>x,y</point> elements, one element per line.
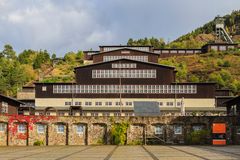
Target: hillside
<point>223,68</point>
<point>220,67</point>
<point>197,37</point>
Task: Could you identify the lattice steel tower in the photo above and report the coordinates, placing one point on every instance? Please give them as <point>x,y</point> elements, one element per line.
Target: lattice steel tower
<point>220,30</point>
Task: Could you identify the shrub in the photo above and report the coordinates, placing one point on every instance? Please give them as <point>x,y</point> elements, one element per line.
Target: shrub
<point>118,133</point>
<point>193,78</point>
<point>226,64</point>
<point>198,137</point>
<point>38,143</point>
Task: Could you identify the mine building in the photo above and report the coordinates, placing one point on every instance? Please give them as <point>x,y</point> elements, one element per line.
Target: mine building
<point>120,76</point>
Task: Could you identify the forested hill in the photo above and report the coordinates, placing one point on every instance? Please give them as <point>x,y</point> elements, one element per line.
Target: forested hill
<point>196,38</point>
<point>29,66</point>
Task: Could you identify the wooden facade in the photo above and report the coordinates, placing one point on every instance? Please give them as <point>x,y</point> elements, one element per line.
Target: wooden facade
<point>9,105</point>
<point>152,57</point>
<point>125,75</point>
<point>162,53</point>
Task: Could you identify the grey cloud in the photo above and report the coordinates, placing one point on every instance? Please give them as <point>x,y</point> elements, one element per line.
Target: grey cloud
<point>69,25</point>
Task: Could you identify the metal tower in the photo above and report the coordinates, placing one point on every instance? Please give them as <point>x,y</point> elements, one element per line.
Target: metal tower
<point>220,30</point>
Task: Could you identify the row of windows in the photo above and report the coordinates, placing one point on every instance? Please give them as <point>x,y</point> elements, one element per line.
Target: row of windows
<point>145,73</point>
<point>99,103</point>
<point>80,128</point>
<point>116,103</point>
<point>124,65</point>
<point>221,48</point>
<point>107,114</point>
<point>136,58</point>
<point>137,89</point>
<point>4,108</point>
<point>136,48</point>
<point>177,51</point>
<point>22,128</point>
<point>178,129</point>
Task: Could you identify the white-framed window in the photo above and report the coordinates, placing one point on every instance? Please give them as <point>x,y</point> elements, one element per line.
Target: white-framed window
<point>106,114</point>
<point>160,103</point>
<point>98,103</point>
<point>177,129</point>
<point>197,127</point>
<point>215,48</point>
<point>129,89</point>
<point>40,128</point>
<point>80,129</point>
<point>169,103</point>
<point>124,65</point>
<point>137,58</point>
<point>88,103</point>
<point>222,48</point>
<point>68,103</point>
<point>2,127</point>
<point>44,88</point>
<point>117,103</point>
<point>117,114</point>
<point>4,108</point>
<point>60,128</point>
<point>61,113</point>
<point>108,103</point>
<point>94,114</point>
<point>21,128</point>
<point>78,103</point>
<point>179,104</point>
<point>128,103</point>
<point>159,129</point>
<point>133,73</point>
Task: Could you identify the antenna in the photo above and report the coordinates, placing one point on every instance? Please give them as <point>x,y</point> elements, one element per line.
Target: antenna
<point>220,30</point>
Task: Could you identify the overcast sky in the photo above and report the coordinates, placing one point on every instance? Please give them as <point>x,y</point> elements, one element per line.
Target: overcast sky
<point>70,25</point>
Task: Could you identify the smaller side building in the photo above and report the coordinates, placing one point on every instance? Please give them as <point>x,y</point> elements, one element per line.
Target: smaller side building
<point>9,105</point>
<point>233,106</point>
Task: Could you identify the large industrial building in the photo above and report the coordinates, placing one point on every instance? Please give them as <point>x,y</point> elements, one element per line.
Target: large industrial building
<point>119,77</point>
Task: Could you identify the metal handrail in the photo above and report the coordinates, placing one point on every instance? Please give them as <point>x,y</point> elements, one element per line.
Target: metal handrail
<point>154,136</point>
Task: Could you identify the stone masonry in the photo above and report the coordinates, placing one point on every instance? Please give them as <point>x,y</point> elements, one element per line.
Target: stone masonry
<point>96,130</point>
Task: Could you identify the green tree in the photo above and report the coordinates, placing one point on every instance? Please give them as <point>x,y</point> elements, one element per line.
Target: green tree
<point>8,52</point>
<point>41,58</point>
<point>54,56</point>
<point>70,57</point>
<point>27,56</point>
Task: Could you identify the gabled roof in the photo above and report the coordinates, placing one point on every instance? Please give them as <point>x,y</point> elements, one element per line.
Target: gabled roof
<point>155,64</point>
<point>11,99</point>
<point>125,48</point>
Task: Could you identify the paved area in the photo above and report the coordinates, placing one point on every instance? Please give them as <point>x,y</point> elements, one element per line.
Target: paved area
<point>109,152</point>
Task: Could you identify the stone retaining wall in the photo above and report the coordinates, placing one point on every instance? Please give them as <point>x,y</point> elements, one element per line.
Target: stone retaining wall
<point>96,130</point>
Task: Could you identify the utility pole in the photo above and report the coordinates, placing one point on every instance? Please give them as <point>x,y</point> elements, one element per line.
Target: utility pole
<point>182,107</point>
<point>120,88</point>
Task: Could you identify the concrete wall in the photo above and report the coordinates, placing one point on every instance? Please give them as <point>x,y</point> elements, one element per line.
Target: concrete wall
<point>96,130</point>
